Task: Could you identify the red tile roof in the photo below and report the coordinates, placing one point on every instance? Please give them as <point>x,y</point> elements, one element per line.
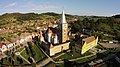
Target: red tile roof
<point>52,30</point>
<point>1,45</point>
<point>49,31</point>
<point>79,42</point>
<point>89,39</point>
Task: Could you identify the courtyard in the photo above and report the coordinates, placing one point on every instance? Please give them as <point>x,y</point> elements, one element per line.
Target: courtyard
<point>26,55</point>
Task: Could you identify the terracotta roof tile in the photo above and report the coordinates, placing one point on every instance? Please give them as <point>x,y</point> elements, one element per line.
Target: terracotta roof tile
<point>89,39</point>
<point>49,31</point>
<point>1,45</point>
<point>52,30</point>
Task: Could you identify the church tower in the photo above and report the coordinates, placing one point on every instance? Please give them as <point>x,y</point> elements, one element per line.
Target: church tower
<point>63,29</point>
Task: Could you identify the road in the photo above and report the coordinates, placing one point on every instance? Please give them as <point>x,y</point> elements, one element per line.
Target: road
<point>24,59</point>
<point>60,55</point>
<point>43,63</point>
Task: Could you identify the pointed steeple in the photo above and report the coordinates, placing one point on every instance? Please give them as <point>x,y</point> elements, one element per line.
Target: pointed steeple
<point>63,20</point>
<point>63,27</point>
<point>49,31</point>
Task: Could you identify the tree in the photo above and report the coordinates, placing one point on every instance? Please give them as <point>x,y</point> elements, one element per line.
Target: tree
<point>86,22</point>
<point>12,63</point>
<point>92,24</point>
<point>104,27</point>
<point>27,50</point>
<point>31,50</point>
<point>1,61</point>
<point>1,38</point>
<point>110,21</point>
<point>80,24</point>
<point>30,60</point>
<point>116,16</point>
<point>10,59</point>
<point>75,27</point>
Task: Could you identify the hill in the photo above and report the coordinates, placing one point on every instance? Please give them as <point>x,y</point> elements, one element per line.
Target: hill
<point>19,18</point>
<point>98,25</point>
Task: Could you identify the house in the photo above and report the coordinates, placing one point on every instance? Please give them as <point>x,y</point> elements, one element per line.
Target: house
<point>34,34</point>
<point>13,43</point>
<point>83,45</point>
<point>26,36</point>
<point>3,47</point>
<point>2,31</point>
<point>109,46</point>
<point>8,43</point>
<point>15,40</point>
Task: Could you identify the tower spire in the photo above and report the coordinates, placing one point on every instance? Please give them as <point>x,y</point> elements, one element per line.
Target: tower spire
<point>63,20</point>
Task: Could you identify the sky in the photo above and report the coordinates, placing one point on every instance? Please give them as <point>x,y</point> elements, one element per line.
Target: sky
<point>74,7</point>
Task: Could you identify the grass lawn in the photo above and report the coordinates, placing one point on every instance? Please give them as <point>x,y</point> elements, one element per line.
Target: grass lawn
<point>25,55</point>
<point>86,59</point>
<point>5,61</point>
<point>20,49</point>
<point>14,59</point>
<point>99,47</point>
<point>75,54</point>
<point>16,62</point>
<point>115,50</point>
<point>38,54</point>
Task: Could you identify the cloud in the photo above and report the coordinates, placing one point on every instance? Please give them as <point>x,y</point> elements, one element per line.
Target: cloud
<point>11,4</point>
<point>44,7</point>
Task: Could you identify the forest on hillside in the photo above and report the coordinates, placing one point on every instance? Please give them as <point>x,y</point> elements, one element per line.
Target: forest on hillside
<point>99,26</point>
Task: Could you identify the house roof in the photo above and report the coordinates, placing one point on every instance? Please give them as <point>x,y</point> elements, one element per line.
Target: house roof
<point>108,45</point>
<point>51,46</point>
<point>49,31</point>
<point>52,30</point>
<point>1,45</point>
<point>79,42</point>
<point>89,39</point>
<point>71,37</point>
<point>5,30</point>
<point>15,39</point>
<point>23,35</point>
<point>6,41</point>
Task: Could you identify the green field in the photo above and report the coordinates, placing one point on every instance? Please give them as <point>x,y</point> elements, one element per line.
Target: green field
<point>72,55</point>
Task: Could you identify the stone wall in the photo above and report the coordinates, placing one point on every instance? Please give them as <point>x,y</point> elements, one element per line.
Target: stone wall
<point>59,48</point>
